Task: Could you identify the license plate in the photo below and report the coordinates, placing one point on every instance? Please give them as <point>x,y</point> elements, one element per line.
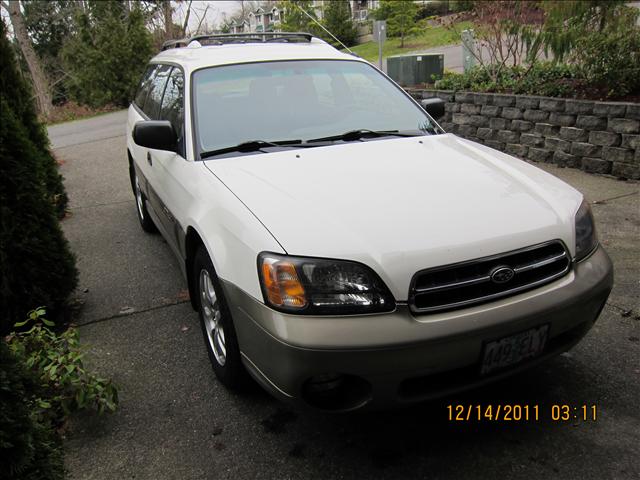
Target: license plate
<point>514,349</point>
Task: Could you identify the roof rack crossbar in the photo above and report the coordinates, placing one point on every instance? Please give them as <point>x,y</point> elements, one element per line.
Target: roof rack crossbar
<point>175,44</point>
<point>224,38</point>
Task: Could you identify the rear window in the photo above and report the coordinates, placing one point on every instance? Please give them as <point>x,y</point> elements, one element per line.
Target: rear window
<point>172,108</point>
<point>143,89</point>
<point>156,90</point>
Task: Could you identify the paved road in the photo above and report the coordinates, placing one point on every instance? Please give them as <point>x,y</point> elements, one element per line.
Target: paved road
<point>452,56</point>
<point>176,421</point>
<point>101,127</point>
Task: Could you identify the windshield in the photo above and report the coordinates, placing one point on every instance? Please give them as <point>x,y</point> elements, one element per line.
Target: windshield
<point>302,100</point>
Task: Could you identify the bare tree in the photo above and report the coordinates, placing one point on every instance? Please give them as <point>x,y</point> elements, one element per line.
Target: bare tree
<point>245,8</point>
<point>171,29</point>
<point>185,24</point>
<point>201,18</point>
<point>41,87</point>
<point>508,33</point>
<point>167,13</point>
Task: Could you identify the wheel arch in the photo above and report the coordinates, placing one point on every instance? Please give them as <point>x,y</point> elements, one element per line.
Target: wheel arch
<point>191,244</point>
<point>131,167</point>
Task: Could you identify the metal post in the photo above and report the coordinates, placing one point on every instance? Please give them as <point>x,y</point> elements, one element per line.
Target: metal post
<point>380,35</point>
<point>468,49</point>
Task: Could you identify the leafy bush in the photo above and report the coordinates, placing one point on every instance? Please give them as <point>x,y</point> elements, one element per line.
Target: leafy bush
<point>461,5</point>
<point>611,57</point>
<point>598,40</point>
<point>57,360</point>
<point>29,447</point>
<point>432,9</point>
<point>35,260</point>
<point>42,380</point>
<point>17,93</point>
<point>36,265</point>
<point>547,79</point>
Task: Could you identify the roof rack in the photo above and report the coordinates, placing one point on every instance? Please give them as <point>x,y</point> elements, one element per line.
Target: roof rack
<point>175,44</point>
<point>254,37</point>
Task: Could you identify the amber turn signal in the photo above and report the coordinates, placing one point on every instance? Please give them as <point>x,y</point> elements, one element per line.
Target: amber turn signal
<point>281,284</point>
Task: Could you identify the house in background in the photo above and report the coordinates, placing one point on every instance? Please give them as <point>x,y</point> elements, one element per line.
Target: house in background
<point>360,9</point>
<point>239,26</point>
<point>268,17</point>
<point>265,19</point>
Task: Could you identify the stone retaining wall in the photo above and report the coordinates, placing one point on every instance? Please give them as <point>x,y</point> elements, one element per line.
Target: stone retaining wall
<point>598,137</point>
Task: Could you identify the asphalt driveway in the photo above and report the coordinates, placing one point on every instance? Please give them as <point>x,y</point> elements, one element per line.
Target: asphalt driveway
<point>177,422</point>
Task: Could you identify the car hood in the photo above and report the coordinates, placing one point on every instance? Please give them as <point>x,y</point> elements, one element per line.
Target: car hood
<point>401,205</point>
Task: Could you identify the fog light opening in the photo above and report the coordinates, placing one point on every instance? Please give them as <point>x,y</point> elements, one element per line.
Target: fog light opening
<point>336,391</point>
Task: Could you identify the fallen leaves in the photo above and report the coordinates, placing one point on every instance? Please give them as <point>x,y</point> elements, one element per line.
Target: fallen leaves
<point>183,295</point>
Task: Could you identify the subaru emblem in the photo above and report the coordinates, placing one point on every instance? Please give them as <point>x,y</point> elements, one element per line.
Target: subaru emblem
<point>502,274</point>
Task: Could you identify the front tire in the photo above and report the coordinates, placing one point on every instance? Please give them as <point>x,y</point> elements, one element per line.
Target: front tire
<point>217,325</point>
<point>141,204</point>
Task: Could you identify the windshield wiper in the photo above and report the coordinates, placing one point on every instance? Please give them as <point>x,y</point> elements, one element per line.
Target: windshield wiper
<point>363,133</point>
<point>250,146</point>
<point>259,145</point>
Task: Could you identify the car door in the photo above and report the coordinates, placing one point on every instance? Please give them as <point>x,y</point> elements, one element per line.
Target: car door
<point>171,169</point>
<point>145,156</point>
<point>135,115</point>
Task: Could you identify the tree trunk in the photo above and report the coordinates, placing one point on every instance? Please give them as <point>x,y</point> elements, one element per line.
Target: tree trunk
<point>167,10</point>
<point>186,19</point>
<point>39,78</point>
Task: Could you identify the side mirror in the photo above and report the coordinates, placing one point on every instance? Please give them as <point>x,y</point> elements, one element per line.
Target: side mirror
<point>434,107</point>
<point>155,134</point>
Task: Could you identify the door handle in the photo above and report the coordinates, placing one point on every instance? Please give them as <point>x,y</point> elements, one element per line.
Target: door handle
<point>149,160</point>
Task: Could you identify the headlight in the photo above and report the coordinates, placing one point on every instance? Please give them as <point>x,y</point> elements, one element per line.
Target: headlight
<point>319,286</point>
<point>586,239</point>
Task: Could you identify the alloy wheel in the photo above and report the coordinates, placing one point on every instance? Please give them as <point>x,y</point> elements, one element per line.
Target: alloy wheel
<point>139,198</point>
<point>211,315</point>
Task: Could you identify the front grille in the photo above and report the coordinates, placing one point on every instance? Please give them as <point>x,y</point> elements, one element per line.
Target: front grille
<point>469,283</point>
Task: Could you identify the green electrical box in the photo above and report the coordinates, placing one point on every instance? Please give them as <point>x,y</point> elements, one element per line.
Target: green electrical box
<point>409,70</point>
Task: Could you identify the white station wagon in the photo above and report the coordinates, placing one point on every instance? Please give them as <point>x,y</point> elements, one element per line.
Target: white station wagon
<point>340,247</point>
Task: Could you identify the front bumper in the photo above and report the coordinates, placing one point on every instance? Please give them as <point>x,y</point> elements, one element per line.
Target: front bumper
<point>399,358</point>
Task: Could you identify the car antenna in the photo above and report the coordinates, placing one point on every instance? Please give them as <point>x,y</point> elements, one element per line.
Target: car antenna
<point>326,30</point>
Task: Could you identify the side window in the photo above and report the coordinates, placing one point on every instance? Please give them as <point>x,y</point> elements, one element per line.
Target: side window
<point>156,89</point>
<point>143,89</point>
<point>173,101</point>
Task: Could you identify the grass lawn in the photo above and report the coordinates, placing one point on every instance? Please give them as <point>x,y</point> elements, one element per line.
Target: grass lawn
<point>430,37</point>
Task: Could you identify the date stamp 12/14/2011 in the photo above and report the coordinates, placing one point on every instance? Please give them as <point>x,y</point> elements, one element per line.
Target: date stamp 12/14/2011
<point>521,413</point>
